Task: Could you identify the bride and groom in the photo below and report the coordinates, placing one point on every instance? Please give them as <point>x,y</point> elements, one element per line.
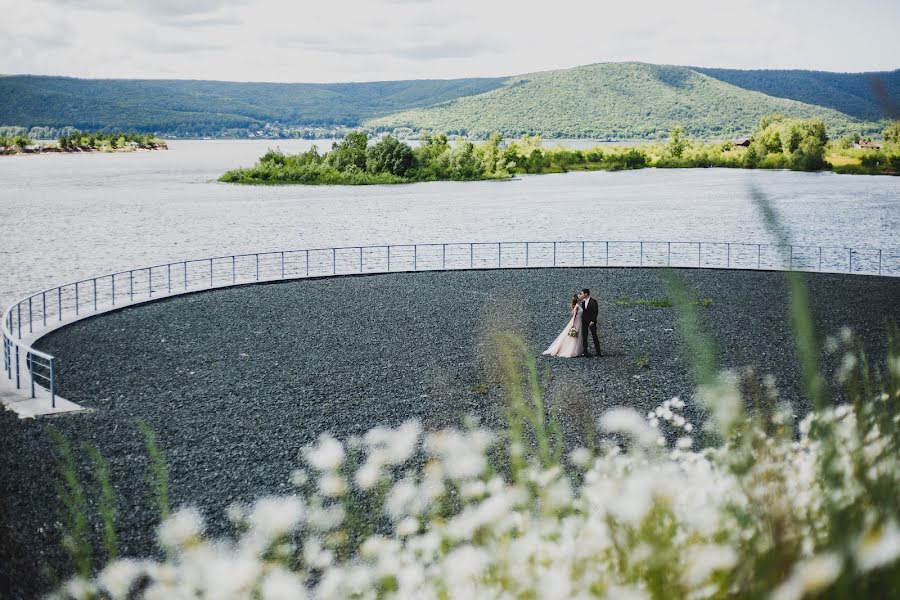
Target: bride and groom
<point>573,340</point>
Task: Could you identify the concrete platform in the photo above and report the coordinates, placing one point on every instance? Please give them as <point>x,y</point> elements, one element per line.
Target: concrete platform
<point>20,401</point>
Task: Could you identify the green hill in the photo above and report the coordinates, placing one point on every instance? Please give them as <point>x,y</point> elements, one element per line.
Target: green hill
<point>866,96</point>
<point>207,107</point>
<point>611,100</point>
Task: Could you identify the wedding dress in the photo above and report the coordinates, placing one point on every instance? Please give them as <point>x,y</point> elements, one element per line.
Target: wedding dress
<point>566,345</point>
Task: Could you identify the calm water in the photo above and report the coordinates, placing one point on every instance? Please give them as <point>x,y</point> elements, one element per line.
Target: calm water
<point>73,216</point>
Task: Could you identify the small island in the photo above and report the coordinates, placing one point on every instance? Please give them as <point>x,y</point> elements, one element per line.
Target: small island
<point>83,141</point>
<point>777,142</point>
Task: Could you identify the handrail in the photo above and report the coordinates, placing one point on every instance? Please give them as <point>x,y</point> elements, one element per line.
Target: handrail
<point>47,309</point>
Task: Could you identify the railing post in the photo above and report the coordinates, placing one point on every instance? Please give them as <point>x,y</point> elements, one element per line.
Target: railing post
<point>668,254</point>
<point>257,267</point>
<point>282,265</point>
<point>184,264</point>
<point>699,246</point>
<point>333,261</point>
<point>389,258</point>
<point>360,260</point>
<point>307,263</point>
<point>19,319</point>
<point>526,254</point>
<point>607,254</point>
<point>820,257</point>
<point>210,273</point>
<point>758,256</point>
<point>59,302</point>
<point>582,254</point>
<point>113,279</point>
<point>415,258</point>
<point>471,256</point>
<point>52,383</point>
<point>499,255</point>
<point>791,265</point>
<point>642,254</point>
<point>31,318</point>
<point>728,259</point>
<point>76,298</point>
<point>444,257</point>
<point>850,264</point>
<point>149,280</point>
<point>169,277</point>
<point>43,308</point>
<point>879,261</point>
<point>131,285</point>
<point>554,254</point>
<point>233,269</point>
<point>29,362</point>
<point>18,384</point>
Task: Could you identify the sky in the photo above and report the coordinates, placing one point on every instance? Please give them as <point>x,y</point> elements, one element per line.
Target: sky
<point>373,40</point>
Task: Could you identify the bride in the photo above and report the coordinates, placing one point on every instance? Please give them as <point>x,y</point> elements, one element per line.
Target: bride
<point>566,344</point>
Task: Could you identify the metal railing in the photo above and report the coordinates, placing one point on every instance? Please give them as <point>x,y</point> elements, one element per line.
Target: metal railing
<point>47,309</point>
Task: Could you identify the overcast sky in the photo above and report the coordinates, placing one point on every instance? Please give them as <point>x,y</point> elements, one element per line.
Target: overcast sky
<point>366,40</point>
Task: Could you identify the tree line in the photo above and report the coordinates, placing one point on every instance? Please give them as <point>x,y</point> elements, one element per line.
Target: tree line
<point>777,142</point>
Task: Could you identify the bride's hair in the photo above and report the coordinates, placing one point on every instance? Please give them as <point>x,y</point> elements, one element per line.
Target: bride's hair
<point>574,300</point>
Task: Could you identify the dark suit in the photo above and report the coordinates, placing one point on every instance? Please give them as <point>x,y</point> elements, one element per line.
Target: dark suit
<point>589,320</point>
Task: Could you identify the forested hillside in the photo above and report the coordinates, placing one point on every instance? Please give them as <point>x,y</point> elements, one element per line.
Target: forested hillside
<point>208,107</point>
<point>865,96</point>
<point>612,100</point>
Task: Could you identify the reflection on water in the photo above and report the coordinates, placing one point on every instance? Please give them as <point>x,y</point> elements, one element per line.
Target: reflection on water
<point>73,216</point>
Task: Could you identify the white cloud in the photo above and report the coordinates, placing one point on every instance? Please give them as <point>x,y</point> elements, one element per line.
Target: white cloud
<point>286,40</point>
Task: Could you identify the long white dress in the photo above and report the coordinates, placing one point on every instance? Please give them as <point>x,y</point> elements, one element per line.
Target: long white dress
<point>565,345</point>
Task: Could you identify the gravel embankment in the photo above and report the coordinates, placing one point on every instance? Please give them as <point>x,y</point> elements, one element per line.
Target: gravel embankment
<point>235,382</point>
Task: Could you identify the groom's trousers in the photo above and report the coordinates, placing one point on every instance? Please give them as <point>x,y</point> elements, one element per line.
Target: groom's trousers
<point>584,339</point>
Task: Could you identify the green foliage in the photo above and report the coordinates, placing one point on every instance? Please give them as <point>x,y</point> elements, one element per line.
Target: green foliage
<point>74,518</point>
<point>891,133</point>
<point>201,108</point>
<point>96,140</point>
<point>158,473</point>
<point>107,503</point>
<point>389,156</point>
<point>677,143</point>
<point>14,143</point>
<point>782,143</point>
<point>778,142</point>
<point>613,100</point>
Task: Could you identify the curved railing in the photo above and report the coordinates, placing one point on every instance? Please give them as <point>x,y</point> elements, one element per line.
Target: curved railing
<point>35,315</point>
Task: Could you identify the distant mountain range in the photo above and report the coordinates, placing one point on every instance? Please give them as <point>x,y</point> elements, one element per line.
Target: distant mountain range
<point>607,100</point>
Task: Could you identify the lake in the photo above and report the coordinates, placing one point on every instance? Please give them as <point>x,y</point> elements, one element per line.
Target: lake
<point>73,216</point>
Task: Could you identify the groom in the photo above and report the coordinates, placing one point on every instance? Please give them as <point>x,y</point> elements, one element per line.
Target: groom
<point>589,319</point>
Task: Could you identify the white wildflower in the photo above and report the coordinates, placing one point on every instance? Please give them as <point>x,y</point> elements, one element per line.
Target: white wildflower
<point>684,443</point>
<point>407,527</point>
<point>327,455</point>
<point>182,527</point>
<point>299,478</point>
<point>118,577</point>
<point>280,584</point>
<point>878,547</point>
<point>272,517</point>
<point>627,421</point>
<point>580,457</point>
<point>80,589</point>
<point>368,475</point>
<point>703,561</point>
<point>332,485</point>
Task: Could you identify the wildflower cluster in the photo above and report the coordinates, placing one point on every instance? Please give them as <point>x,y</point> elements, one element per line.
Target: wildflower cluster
<point>767,512</point>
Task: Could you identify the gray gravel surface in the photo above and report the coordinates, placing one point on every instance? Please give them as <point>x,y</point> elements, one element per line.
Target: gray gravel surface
<point>236,381</point>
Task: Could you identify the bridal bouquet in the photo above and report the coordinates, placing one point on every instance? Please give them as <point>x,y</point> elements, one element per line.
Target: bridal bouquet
<point>573,332</point>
